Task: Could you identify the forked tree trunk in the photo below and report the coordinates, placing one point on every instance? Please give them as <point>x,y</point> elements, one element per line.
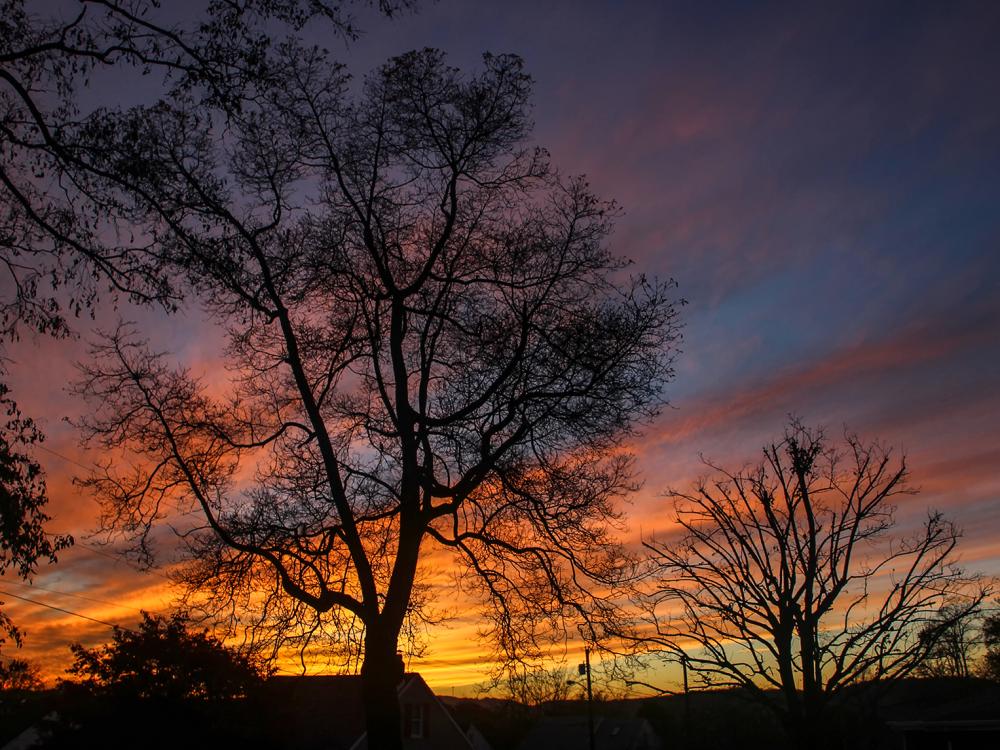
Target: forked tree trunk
<point>381,674</point>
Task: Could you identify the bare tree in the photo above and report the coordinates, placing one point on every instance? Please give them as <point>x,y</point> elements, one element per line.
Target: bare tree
<point>990,636</point>
<point>57,228</point>
<point>953,632</point>
<point>787,577</point>
<point>534,684</point>
<point>62,241</point>
<point>432,347</point>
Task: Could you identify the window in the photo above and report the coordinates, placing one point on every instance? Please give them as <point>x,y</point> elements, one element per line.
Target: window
<point>415,721</point>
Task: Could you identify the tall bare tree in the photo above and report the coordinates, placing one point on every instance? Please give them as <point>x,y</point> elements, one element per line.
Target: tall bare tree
<point>787,576</point>
<point>56,228</point>
<point>432,348</point>
<point>61,241</point>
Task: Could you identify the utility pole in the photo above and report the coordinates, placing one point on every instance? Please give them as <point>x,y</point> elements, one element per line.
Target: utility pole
<point>687,702</point>
<point>687,695</point>
<point>585,669</point>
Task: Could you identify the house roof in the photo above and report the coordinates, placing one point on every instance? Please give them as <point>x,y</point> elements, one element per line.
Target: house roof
<point>320,711</point>
<point>942,699</point>
<point>610,733</point>
<point>314,711</point>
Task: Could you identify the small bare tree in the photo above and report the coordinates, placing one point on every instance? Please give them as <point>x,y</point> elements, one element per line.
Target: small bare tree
<point>787,577</point>
<point>989,634</point>
<point>534,684</point>
<point>432,347</point>
<point>954,634</point>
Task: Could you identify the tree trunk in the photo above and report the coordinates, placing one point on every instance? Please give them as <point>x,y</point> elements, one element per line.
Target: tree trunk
<point>811,728</point>
<point>381,674</point>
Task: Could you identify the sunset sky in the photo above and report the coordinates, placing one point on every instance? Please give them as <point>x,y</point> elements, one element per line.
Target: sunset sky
<point>823,182</point>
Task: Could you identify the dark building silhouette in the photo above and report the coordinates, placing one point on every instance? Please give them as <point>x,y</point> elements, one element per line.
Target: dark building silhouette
<point>327,712</point>
<point>610,733</point>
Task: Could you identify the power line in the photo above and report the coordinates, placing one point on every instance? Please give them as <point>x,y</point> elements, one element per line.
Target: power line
<point>65,611</point>
<point>68,593</point>
<point>94,467</point>
<point>64,458</point>
<point>110,555</point>
<point>98,551</point>
<point>119,558</point>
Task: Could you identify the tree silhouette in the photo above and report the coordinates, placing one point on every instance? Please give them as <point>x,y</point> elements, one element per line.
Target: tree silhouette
<point>787,576</point>
<point>165,659</point>
<point>60,240</point>
<point>23,540</point>
<point>20,674</point>
<point>953,642</point>
<point>57,228</point>
<point>991,640</point>
<point>535,684</point>
<point>432,348</point>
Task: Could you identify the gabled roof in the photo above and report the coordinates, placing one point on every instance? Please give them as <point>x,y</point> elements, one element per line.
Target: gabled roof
<point>325,711</point>
<point>410,689</point>
<point>314,711</point>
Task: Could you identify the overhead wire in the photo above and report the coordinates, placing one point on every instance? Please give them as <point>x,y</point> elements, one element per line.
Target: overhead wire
<point>57,454</point>
<point>64,610</point>
<point>39,587</point>
<point>92,548</point>
<point>86,547</point>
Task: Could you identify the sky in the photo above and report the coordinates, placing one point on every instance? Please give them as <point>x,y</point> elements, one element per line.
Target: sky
<point>821,179</point>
